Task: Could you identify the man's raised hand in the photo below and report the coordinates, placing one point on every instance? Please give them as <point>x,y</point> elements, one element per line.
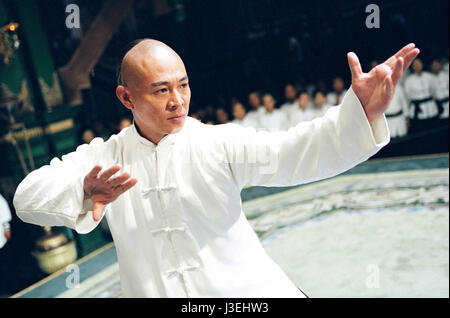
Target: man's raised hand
<point>376,88</point>
<point>103,188</point>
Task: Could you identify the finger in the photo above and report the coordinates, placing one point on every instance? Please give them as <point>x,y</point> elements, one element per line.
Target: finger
<point>405,50</point>
<point>98,211</point>
<point>353,63</point>
<point>108,173</point>
<point>389,87</point>
<point>126,186</point>
<point>398,70</point>
<point>113,182</point>
<point>94,172</point>
<point>410,57</point>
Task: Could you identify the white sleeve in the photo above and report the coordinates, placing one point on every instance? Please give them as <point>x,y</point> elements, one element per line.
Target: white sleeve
<point>310,151</point>
<point>53,195</point>
<point>5,212</point>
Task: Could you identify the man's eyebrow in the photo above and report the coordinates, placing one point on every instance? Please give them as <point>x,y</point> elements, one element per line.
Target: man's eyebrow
<point>166,82</point>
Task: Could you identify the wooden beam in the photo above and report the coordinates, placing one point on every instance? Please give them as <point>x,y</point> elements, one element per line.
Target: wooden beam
<point>75,75</point>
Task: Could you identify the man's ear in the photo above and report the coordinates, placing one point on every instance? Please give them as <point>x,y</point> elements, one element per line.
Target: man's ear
<point>124,96</point>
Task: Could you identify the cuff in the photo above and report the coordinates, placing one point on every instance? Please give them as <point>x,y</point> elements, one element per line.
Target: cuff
<point>375,133</point>
<point>84,221</point>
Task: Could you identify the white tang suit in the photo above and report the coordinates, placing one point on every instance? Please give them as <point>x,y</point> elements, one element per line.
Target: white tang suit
<point>180,231</point>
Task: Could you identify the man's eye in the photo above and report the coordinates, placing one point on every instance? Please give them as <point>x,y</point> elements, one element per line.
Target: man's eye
<point>184,85</point>
<point>162,90</point>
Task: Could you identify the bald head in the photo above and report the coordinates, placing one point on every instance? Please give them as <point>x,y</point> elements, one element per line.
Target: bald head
<point>142,56</point>
<point>154,85</point>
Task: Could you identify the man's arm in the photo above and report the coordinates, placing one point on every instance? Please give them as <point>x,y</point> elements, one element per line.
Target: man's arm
<point>309,151</point>
<point>71,192</point>
<point>347,135</point>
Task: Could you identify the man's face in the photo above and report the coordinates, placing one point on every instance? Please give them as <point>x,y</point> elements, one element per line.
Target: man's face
<point>269,103</point>
<point>289,92</point>
<point>159,93</point>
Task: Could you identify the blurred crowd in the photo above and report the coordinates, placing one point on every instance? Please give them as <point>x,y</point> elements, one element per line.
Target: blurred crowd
<point>420,103</point>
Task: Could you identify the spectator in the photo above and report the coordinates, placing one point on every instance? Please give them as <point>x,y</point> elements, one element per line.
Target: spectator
<point>239,114</point>
<point>257,110</point>
<point>419,89</point>
<point>273,119</point>
<point>320,104</point>
<point>87,136</point>
<point>303,112</point>
<point>290,103</point>
<point>335,97</point>
<point>221,116</point>
<point>441,91</point>
<point>5,218</point>
<point>124,122</point>
<point>397,114</point>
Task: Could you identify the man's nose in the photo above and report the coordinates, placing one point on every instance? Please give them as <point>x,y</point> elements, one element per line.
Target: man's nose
<point>175,101</point>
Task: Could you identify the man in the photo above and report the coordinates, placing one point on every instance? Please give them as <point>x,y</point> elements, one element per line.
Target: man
<point>273,119</point>
<point>335,97</point>
<point>419,89</point>
<point>290,105</point>
<point>180,231</point>
<point>303,111</point>
<point>257,110</point>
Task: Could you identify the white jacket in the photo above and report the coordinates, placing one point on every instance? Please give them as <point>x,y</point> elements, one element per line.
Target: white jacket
<point>181,231</point>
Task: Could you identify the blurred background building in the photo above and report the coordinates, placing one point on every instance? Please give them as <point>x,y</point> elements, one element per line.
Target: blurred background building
<point>57,84</point>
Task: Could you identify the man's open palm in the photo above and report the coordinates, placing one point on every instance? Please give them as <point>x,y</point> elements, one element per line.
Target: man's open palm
<point>376,88</point>
<point>103,189</point>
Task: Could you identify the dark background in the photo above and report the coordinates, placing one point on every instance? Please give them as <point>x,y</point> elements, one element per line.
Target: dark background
<point>233,46</point>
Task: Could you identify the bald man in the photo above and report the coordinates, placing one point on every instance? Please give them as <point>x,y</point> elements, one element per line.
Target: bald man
<point>170,186</point>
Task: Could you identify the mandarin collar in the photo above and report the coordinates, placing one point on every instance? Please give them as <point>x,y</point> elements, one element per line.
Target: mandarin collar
<point>167,140</point>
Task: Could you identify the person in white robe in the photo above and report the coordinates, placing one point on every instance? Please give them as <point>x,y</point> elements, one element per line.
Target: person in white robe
<point>273,119</point>
<point>5,219</point>
<point>335,97</point>
<point>304,110</point>
<point>257,109</point>
<point>240,118</point>
<point>441,90</point>
<point>419,89</point>
<point>320,105</point>
<point>290,105</point>
<point>397,113</point>
<point>170,186</point>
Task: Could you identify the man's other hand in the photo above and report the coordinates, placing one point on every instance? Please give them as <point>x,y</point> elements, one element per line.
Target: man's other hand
<point>376,88</point>
<point>102,188</point>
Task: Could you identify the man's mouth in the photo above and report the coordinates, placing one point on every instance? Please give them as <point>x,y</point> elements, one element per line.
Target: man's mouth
<point>177,118</point>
